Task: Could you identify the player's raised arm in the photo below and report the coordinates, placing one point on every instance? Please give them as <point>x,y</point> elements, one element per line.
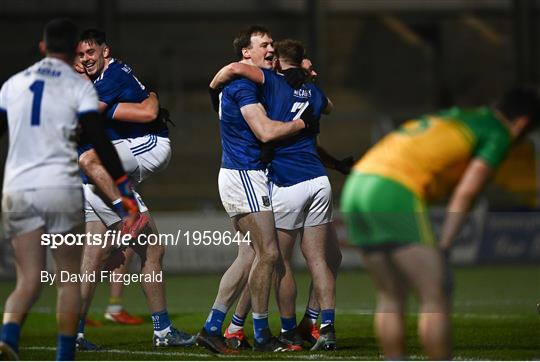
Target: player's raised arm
<point>471,184</point>
<point>237,69</point>
<point>267,130</point>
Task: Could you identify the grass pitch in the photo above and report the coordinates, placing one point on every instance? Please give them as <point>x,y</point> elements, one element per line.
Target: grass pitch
<point>495,318</point>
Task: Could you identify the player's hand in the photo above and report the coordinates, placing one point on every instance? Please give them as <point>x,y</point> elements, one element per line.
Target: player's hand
<point>129,203</point>
<point>214,98</point>
<point>116,259</point>
<point>344,166</point>
<point>295,77</point>
<point>311,122</point>
<point>165,116</point>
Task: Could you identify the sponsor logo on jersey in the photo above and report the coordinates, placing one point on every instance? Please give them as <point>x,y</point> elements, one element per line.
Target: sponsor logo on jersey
<point>302,93</point>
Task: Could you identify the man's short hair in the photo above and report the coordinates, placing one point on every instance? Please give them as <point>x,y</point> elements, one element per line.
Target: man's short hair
<point>291,51</point>
<point>60,36</point>
<point>243,39</point>
<point>93,36</point>
<point>521,101</point>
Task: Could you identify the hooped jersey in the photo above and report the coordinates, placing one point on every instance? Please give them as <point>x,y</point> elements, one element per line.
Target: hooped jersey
<point>118,84</point>
<point>240,148</point>
<point>295,160</point>
<point>43,104</point>
<point>429,155</point>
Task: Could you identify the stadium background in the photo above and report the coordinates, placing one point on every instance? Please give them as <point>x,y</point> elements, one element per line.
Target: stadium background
<point>380,61</point>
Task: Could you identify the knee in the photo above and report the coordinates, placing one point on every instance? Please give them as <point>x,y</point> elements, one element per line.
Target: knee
<point>30,288</point>
<point>155,253</point>
<point>88,160</point>
<point>432,300</point>
<point>391,302</point>
<point>269,256</point>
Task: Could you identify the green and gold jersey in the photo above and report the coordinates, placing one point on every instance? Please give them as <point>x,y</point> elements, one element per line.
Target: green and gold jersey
<point>428,155</point>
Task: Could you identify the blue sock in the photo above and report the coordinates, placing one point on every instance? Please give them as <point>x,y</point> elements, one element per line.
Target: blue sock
<point>11,334</point>
<point>214,322</point>
<point>327,317</point>
<point>260,323</point>
<point>288,323</point>
<point>238,321</point>
<point>160,320</point>
<point>312,314</point>
<point>65,349</point>
<point>82,323</point>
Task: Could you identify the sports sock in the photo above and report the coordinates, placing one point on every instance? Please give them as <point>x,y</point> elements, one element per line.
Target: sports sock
<point>11,334</point>
<point>119,209</point>
<point>237,323</point>
<point>327,317</point>
<point>115,305</point>
<point>161,322</point>
<point>82,322</point>
<point>312,314</point>
<point>260,323</point>
<point>214,322</point>
<point>65,349</point>
<point>288,323</point>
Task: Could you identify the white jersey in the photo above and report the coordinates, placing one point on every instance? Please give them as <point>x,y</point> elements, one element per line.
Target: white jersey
<point>43,104</point>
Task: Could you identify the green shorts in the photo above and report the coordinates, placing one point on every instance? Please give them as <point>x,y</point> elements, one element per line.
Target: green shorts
<point>381,212</point>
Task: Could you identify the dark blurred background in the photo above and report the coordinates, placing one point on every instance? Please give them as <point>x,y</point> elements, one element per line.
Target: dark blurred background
<point>380,61</point>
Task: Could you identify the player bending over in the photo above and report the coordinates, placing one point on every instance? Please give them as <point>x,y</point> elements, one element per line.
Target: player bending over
<point>383,203</point>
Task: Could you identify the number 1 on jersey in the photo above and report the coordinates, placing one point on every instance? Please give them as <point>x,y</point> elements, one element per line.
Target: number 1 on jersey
<point>37,89</point>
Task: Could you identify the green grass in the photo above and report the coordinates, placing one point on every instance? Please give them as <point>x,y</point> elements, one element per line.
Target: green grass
<point>494,318</point>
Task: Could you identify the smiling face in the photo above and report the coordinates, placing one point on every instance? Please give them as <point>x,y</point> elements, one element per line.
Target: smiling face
<point>261,51</point>
<point>92,57</point>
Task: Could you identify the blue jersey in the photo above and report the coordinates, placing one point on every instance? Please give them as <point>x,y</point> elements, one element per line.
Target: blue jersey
<point>297,161</point>
<point>241,149</point>
<point>117,84</point>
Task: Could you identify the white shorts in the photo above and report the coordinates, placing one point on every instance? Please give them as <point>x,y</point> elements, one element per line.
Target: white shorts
<point>141,157</point>
<point>96,209</point>
<point>58,210</point>
<point>307,203</point>
<point>243,191</point>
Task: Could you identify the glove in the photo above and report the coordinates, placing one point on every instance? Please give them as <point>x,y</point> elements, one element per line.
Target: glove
<point>267,152</point>
<point>164,116</point>
<point>129,204</point>
<point>311,122</point>
<point>214,98</point>
<point>344,166</point>
<point>295,77</point>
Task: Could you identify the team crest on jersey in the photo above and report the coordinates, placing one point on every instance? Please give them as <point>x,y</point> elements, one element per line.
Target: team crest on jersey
<point>266,201</point>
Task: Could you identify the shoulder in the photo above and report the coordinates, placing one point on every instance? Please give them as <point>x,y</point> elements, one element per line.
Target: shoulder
<point>116,71</point>
<point>241,84</point>
<point>270,74</point>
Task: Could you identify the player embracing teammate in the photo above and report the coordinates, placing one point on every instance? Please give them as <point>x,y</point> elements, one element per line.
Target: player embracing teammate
<point>299,191</point>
